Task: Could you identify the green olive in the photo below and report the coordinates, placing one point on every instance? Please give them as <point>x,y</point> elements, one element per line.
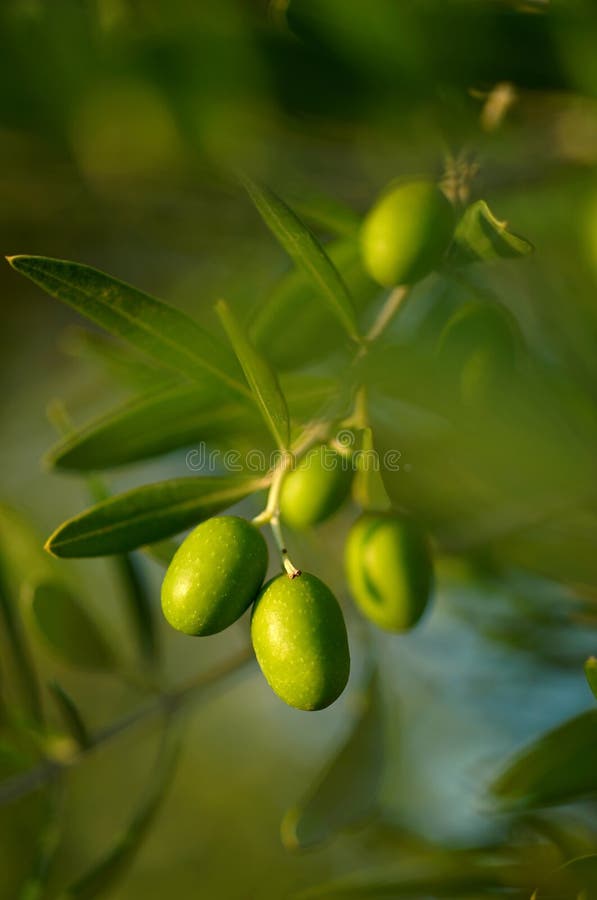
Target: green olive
<point>300,641</point>
<point>406,233</point>
<point>477,351</point>
<point>316,488</point>
<point>214,575</point>
<point>389,570</point>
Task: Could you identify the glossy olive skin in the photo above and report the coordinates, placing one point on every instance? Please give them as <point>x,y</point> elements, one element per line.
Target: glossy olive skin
<point>214,575</point>
<point>478,352</point>
<point>300,641</point>
<point>316,488</point>
<point>406,233</point>
<point>389,570</point>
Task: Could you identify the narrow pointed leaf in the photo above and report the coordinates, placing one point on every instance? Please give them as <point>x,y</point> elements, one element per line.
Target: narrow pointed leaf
<point>346,791</point>
<point>70,715</point>
<point>557,768</point>
<point>480,236</point>
<point>147,514</point>
<point>66,627</point>
<point>100,879</point>
<point>261,377</point>
<point>306,252</point>
<point>591,674</point>
<point>159,330</point>
<point>289,340</point>
<point>186,416</point>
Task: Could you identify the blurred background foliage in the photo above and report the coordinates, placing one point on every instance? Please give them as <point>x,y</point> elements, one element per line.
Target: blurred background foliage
<point>121,122</point>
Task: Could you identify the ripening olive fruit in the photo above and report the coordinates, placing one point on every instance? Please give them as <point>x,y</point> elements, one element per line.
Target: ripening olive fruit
<point>389,570</point>
<point>477,351</point>
<point>316,488</point>
<point>214,575</point>
<point>406,233</point>
<point>300,641</point>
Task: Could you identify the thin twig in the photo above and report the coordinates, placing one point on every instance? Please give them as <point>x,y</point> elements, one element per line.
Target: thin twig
<point>168,702</point>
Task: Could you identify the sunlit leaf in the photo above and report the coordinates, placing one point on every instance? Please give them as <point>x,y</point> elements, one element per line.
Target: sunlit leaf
<point>146,514</point>
<point>261,377</point>
<point>557,768</point>
<point>66,626</point>
<point>70,714</point>
<point>165,333</point>
<point>480,236</point>
<point>591,674</point>
<point>306,252</point>
<point>345,792</point>
<point>292,326</point>
<point>101,878</point>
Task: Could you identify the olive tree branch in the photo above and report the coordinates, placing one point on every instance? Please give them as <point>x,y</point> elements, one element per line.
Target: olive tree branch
<point>167,703</point>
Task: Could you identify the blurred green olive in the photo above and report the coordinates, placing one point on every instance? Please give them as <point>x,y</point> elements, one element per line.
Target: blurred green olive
<point>214,575</point>
<point>478,350</point>
<point>316,488</point>
<point>406,233</point>
<point>389,570</point>
<point>300,641</point>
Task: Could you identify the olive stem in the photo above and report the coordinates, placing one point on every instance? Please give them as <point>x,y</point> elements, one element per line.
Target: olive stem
<point>393,303</point>
<point>271,513</point>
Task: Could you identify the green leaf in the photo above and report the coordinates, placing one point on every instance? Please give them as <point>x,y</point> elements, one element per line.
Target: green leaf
<point>479,236</point>
<point>172,338</point>
<point>326,213</point>
<point>261,377</point>
<point>293,327</point>
<point>345,792</point>
<point>118,360</point>
<point>70,715</point>
<point>102,877</point>
<point>455,874</point>
<point>557,768</point>
<point>591,674</point>
<point>306,252</point>
<point>151,425</point>
<point>147,514</point>
<point>66,626</point>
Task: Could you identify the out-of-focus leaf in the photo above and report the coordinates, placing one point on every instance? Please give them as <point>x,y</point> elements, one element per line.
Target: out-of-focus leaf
<point>161,331</point>
<point>345,792</point>
<point>151,425</point>
<point>119,361</point>
<point>326,213</point>
<point>66,626</point>
<point>161,552</point>
<point>48,844</point>
<point>479,236</point>
<point>306,252</point>
<point>293,327</point>
<point>591,674</point>
<point>557,768</point>
<point>575,880</point>
<point>101,878</point>
<point>70,715</point>
<point>146,514</point>
<point>140,607</point>
<point>457,875</point>
<point>261,377</point>
<point>368,490</point>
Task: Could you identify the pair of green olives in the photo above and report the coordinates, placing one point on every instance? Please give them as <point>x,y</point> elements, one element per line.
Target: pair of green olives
<point>297,626</point>
<point>389,570</point>
<point>406,233</point>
